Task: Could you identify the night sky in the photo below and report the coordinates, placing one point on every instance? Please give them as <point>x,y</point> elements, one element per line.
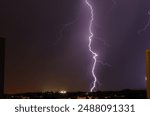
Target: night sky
<point>47,44</point>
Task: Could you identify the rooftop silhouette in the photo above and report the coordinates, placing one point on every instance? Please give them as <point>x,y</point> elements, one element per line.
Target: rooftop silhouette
<point>124,94</point>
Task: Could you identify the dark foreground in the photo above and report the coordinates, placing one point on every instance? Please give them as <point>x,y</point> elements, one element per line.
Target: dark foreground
<point>124,94</point>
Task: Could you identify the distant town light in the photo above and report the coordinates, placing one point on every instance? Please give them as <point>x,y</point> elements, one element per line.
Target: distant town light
<point>63,92</point>
<point>145,78</point>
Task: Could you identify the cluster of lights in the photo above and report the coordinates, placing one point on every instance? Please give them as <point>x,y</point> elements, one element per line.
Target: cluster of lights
<point>63,92</point>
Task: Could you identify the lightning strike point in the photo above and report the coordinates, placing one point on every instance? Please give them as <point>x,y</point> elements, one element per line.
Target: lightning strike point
<point>90,48</point>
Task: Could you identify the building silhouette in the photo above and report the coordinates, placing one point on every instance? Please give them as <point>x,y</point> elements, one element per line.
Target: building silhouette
<point>2,57</point>
<point>148,73</point>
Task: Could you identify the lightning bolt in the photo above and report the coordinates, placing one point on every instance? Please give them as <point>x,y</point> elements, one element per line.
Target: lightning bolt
<point>65,26</point>
<point>147,25</point>
<point>89,45</point>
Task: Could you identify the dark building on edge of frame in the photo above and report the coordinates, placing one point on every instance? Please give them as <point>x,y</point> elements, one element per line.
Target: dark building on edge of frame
<point>2,60</point>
